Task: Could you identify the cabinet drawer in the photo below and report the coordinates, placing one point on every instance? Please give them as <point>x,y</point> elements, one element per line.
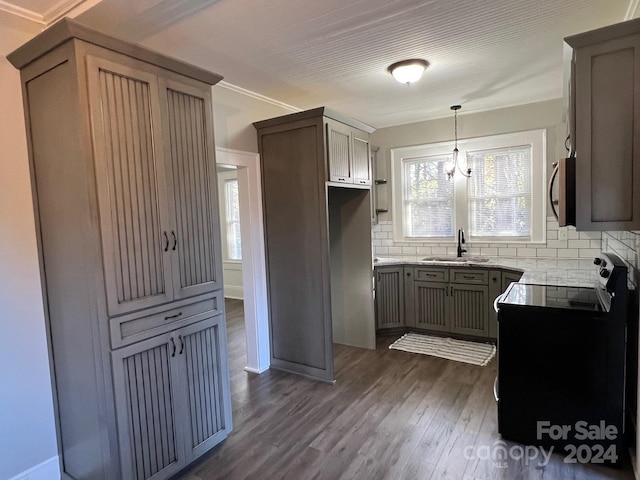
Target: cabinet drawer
<point>478,277</point>
<point>135,327</point>
<point>431,274</point>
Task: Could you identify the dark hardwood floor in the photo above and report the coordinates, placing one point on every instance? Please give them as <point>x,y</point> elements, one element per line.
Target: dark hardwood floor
<point>390,415</point>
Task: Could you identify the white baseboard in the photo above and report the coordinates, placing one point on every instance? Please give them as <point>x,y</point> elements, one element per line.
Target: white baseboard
<point>254,370</point>
<point>233,291</point>
<point>47,470</point>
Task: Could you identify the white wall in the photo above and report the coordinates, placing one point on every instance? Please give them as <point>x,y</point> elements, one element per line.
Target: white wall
<point>549,115</point>
<point>28,435</point>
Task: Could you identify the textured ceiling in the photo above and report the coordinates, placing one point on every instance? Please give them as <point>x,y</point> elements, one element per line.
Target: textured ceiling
<point>484,54</point>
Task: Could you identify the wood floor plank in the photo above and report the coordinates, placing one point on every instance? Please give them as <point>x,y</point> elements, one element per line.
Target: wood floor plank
<point>391,415</point>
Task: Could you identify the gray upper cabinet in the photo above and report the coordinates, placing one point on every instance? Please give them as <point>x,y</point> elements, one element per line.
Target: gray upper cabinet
<point>156,208</point>
<point>122,167</point>
<point>605,129</point>
<point>348,153</point>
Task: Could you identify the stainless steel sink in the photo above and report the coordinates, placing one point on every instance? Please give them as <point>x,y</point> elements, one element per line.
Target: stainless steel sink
<point>453,258</point>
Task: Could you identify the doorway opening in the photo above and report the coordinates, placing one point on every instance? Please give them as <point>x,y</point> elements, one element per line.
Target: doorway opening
<point>243,248</point>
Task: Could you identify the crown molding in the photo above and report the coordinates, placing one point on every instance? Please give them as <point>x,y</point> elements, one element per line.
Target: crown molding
<point>63,8</point>
<point>21,12</point>
<point>257,96</point>
<point>632,9</point>
<point>52,15</point>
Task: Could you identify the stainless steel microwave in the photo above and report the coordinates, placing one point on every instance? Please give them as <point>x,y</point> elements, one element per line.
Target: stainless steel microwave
<point>563,196</point>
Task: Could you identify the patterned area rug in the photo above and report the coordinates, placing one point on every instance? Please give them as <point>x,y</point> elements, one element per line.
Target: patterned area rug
<point>449,348</point>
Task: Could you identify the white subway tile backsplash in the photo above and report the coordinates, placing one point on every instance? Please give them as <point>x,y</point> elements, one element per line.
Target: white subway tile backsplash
<point>552,235</point>
<point>590,235</point>
<point>588,252</point>
<point>596,244</point>
<point>490,252</point>
<point>386,227</point>
<point>409,250</point>
<point>395,250</point>
<point>547,252</point>
<point>507,252</point>
<point>376,243</point>
<point>572,234</point>
<point>381,250</point>
<point>579,244</point>
<point>567,253</point>
<point>526,252</point>
<point>439,250</point>
<point>557,244</point>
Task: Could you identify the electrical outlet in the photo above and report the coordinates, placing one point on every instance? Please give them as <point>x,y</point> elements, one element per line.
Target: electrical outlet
<point>562,233</point>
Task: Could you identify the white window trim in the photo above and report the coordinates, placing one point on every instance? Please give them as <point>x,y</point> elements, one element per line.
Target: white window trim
<point>538,141</point>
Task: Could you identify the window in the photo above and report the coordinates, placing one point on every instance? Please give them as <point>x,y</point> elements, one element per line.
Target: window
<point>234,248</point>
<point>502,201</point>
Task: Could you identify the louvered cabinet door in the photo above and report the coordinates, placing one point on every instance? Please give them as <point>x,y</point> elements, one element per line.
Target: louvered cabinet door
<point>389,297</point>
<point>195,235</point>
<point>470,309</point>
<point>130,178</point>
<point>145,379</point>
<point>339,152</point>
<point>206,386</point>
<point>431,305</point>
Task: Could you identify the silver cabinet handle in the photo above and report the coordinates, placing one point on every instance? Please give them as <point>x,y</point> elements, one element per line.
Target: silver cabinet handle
<point>495,389</point>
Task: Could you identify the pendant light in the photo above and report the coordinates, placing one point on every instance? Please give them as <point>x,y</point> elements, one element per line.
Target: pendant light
<point>452,170</point>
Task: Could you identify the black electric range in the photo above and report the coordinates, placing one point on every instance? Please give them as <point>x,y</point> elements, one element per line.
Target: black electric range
<point>561,364</point>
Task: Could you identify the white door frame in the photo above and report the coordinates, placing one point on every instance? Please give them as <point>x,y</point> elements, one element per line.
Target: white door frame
<point>254,276</point>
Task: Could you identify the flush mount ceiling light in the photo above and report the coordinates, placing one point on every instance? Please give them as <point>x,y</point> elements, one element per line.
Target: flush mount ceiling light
<point>408,71</point>
<point>451,170</point>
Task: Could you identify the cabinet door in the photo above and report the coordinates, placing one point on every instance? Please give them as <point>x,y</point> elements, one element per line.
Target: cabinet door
<point>207,420</point>
<point>130,179</point>
<point>507,278</point>
<point>431,305</point>
<point>145,378</point>
<point>339,152</point>
<point>389,297</point>
<point>193,189</point>
<point>469,309</point>
<point>607,102</point>
<point>360,159</point>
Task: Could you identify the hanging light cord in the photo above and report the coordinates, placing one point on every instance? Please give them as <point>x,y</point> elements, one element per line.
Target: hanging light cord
<point>467,174</point>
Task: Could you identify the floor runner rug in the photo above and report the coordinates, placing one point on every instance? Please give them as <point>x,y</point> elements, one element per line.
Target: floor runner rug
<point>449,348</point>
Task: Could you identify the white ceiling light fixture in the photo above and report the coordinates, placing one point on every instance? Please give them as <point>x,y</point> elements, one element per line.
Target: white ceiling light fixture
<point>451,169</point>
<point>408,71</point>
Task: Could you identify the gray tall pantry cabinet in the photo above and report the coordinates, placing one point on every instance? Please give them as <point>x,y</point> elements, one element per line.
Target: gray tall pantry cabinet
<point>124,185</point>
<point>316,178</point>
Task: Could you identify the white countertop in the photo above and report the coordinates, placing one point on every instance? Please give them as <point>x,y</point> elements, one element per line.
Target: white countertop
<point>545,271</point>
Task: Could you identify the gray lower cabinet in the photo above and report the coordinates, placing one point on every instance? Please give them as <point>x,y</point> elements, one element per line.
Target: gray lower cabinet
<point>170,404</point>
<point>468,314</point>
<point>441,299</point>
<point>390,297</point>
<point>431,305</point>
<point>121,156</point>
